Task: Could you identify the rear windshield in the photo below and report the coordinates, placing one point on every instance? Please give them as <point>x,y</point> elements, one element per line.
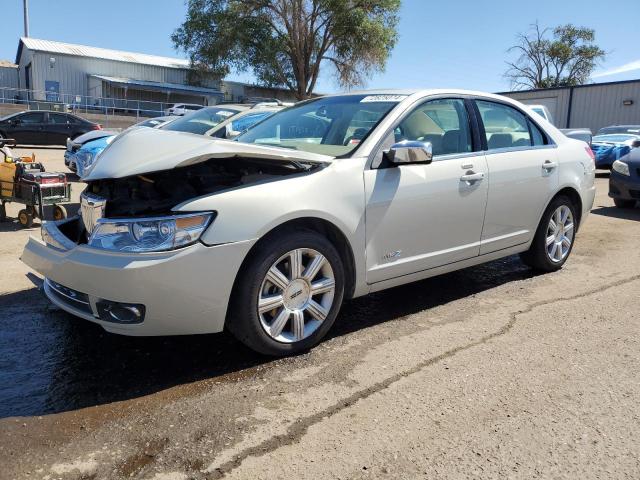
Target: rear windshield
<point>615,138</point>
<point>610,130</point>
<point>331,126</point>
<point>201,121</point>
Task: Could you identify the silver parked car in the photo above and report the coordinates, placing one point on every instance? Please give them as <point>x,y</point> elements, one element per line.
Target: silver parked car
<point>333,198</point>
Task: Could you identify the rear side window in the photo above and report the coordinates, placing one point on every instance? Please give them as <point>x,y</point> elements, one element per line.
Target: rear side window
<point>59,118</point>
<point>537,136</point>
<point>443,123</point>
<point>506,127</point>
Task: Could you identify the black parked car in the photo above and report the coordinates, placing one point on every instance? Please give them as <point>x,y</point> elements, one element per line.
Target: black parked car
<point>624,182</point>
<point>43,127</point>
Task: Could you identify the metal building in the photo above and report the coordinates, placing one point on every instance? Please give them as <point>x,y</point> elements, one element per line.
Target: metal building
<point>591,106</point>
<point>8,74</point>
<point>62,72</point>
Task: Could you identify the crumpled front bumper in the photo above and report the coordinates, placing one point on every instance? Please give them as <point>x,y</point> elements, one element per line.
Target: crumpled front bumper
<point>184,291</point>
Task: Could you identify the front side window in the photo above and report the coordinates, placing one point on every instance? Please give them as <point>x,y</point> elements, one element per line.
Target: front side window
<point>331,126</point>
<point>506,127</point>
<point>443,122</point>
<point>201,121</point>
<point>29,118</point>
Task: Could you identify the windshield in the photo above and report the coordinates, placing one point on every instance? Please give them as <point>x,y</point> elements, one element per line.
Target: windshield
<point>330,126</point>
<point>615,138</point>
<point>201,120</point>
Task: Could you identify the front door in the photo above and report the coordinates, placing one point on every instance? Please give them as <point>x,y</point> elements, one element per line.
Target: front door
<point>523,168</point>
<point>426,215</point>
<point>27,128</point>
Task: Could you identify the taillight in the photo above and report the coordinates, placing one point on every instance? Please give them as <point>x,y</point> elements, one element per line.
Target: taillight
<point>96,126</point>
<point>591,154</point>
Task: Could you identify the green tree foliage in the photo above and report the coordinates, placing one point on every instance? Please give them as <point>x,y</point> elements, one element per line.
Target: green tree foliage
<point>564,56</point>
<point>286,42</point>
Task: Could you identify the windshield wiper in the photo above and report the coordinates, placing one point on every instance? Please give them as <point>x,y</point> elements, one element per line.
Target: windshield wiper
<point>291,147</point>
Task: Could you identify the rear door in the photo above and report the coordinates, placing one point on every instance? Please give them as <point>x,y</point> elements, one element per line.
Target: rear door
<point>523,174</point>
<point>59,128</point>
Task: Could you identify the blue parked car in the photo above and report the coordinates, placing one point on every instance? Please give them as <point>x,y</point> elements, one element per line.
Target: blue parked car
<point>611,147</point>
<point>88,153</point>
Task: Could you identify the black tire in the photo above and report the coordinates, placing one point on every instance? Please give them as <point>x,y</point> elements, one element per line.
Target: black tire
<point>3,212</point>
<point>536,257</point>
<point>621,203</point>
<point>59,212</point>
<point>243,320</point>
<point>25,218</point>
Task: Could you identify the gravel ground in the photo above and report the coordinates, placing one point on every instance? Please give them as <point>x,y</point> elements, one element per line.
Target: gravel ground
<point>491,372</point>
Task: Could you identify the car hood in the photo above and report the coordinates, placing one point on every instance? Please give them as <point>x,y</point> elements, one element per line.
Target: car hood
<point>93,135</point>
<point>146,150</point>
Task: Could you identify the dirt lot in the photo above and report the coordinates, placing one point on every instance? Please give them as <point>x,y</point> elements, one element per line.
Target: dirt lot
<point>491,372</point>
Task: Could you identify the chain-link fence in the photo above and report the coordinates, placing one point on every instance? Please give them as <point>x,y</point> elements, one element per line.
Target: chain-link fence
<point>43,100</point>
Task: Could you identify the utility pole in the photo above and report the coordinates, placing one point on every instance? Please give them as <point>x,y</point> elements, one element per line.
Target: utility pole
<point>26,17</point>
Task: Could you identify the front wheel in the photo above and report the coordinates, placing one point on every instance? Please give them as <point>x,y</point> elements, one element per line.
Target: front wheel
<point>553,241</point>
<point>288,295</point>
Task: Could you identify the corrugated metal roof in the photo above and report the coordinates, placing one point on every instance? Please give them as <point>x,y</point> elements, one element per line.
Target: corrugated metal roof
<point>104,53</point>
<point>174,87</point>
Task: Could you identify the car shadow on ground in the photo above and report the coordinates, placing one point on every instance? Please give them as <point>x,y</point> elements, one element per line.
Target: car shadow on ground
<point>602,174</point>
<point>615,212</point>
<point>53,362</point>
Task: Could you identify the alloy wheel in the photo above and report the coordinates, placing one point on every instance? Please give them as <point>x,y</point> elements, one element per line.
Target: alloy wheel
<point>560,232</point>
<point>296,295</point>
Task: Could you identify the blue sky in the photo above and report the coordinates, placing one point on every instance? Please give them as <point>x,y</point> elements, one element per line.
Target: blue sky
<point>454,44</point>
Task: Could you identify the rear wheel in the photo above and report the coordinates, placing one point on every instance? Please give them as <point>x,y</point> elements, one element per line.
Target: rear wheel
<point>620,203</point>
<point>59,212</point>
<point>553,241</point>
<point>288,296</point>
<point>3,212</point>
<point>25,218</point>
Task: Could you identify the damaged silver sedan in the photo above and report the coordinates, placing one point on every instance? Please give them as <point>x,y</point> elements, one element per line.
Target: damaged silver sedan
<point>330,199</point>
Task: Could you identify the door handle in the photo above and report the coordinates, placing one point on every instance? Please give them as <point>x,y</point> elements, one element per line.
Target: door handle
<point>549,165</point>
<point>472,177</point>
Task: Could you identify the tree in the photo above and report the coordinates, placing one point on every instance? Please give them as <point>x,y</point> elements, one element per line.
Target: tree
<point>565,59</point>
<point>286,42</point>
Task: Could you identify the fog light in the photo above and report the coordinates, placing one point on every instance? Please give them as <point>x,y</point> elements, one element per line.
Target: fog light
<point>120,312</point>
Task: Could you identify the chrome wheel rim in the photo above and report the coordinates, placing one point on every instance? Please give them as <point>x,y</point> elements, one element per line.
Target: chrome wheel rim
<point>296,295</point>
<point>560,234</point>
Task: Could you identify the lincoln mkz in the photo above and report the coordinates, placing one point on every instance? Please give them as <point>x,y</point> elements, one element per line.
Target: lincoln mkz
<point>330,199</point>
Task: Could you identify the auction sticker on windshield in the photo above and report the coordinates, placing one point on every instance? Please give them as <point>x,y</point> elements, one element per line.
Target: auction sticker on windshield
<point>383,98</point>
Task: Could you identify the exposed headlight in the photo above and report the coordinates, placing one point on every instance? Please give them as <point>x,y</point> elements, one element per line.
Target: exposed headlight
<point>84,160</point>
<point>621,167</point>
<point>149,234</point>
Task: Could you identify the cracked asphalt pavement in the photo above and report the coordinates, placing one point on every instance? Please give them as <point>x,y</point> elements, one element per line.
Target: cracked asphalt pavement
<point>490,372</point>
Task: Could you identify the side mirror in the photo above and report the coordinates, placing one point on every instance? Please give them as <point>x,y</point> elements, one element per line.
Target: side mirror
<point>635,144</point>
<point>408,152</point>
